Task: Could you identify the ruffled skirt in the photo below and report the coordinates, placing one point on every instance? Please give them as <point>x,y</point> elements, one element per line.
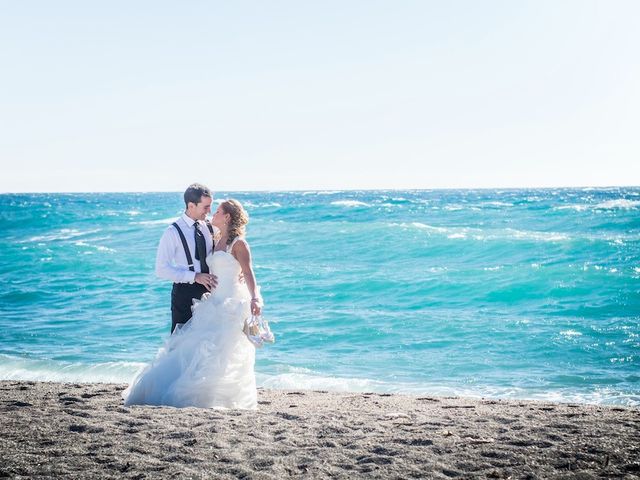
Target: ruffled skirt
<point>207,363</point>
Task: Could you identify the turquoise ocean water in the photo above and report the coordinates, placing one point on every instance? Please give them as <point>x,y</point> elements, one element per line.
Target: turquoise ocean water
<point>512,293</point>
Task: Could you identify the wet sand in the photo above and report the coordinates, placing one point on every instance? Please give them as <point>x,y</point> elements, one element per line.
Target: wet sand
<point>83,431</point>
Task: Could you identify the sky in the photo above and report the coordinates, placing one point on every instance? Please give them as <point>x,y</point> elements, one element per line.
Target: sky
<point>310,95</point>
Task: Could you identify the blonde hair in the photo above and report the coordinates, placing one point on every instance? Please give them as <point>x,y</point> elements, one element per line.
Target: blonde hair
<point>239,218</point>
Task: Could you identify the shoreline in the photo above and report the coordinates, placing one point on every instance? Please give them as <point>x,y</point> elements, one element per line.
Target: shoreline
<point>80,430</point>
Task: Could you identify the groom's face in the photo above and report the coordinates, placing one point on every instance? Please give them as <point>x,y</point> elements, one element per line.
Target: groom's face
<point>201,209</point>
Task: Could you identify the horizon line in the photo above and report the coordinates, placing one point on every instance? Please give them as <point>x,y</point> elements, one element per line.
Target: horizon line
<point>580,187</point>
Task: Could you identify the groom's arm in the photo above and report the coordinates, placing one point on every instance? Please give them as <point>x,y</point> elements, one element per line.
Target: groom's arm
<point>166,267</point>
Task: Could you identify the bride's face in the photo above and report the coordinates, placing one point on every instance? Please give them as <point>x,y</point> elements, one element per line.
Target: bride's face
<point>220,219</point>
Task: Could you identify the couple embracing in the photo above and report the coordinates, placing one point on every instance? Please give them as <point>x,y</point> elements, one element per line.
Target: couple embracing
<point>208,360</point>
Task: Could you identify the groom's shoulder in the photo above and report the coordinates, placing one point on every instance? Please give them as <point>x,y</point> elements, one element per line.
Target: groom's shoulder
<point>171,228</point>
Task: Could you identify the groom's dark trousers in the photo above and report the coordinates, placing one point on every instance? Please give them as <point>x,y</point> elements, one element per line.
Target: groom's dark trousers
<point>182,296</point>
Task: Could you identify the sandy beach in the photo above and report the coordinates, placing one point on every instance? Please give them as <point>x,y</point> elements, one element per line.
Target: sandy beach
<point>83,431</point>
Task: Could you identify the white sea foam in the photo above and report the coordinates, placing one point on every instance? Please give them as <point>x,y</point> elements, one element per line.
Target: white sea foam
<point>437,269</point>
<point>350,203</point>
<point>292,378</point>
<point>577,208</point>
<point>314,381</point>
<point>308,380</point>
<point>17,368</point>
<point>262,205</point>
<point>619,203</point>
<point>497,204</point>
<point>162,221</point>
<point>425,226</point>
<point>539,236</point>
<point>629,359</point>
<point>570,333</point>
<point>598,268</point>
<point>100,248</point>
<point>478,234</point>
<point>622,203</point>
<point>63,234</point>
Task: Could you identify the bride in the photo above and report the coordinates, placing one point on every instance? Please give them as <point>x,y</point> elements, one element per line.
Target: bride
<point>209,361</point>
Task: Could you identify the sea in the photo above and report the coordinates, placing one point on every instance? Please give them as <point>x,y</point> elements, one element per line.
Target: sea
<point>513,293</point>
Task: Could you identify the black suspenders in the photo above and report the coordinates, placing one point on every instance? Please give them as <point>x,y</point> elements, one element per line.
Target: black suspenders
<point>185,246</point>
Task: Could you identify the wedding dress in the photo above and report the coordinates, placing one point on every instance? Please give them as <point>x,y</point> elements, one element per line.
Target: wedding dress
<point>208,362</point>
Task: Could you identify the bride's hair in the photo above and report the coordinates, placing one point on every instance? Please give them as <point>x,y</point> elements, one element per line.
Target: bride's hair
<point>239,218</point>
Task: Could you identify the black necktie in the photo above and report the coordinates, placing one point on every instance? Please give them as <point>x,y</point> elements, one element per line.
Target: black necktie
<point>201,248</point>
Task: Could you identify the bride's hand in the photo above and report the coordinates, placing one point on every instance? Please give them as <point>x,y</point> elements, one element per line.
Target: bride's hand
<point>256,306</point>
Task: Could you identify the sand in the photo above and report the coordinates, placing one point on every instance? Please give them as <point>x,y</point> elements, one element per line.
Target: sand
<point>83,431</point>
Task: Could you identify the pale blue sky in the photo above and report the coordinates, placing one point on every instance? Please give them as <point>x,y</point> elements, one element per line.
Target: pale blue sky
<point>283,95</point>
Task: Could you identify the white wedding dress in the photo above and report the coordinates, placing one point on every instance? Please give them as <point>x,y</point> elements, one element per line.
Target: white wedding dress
<point>209,362</point>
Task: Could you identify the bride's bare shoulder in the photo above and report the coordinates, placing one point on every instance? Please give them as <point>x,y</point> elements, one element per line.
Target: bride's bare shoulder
<point>239,246</point>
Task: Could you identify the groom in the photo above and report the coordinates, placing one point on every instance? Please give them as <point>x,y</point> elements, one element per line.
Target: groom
<point>182,251</point>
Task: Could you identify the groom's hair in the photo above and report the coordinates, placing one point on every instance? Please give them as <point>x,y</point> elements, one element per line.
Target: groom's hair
<point>194,192</point>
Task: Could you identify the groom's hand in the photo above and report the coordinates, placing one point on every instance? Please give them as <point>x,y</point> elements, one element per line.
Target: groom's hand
<point>207,280</point>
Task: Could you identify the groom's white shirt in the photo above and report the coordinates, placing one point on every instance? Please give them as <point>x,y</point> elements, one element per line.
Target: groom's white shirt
<point>171,261</point>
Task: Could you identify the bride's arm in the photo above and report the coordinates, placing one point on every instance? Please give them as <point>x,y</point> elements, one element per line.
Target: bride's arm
<point>242,253</point>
